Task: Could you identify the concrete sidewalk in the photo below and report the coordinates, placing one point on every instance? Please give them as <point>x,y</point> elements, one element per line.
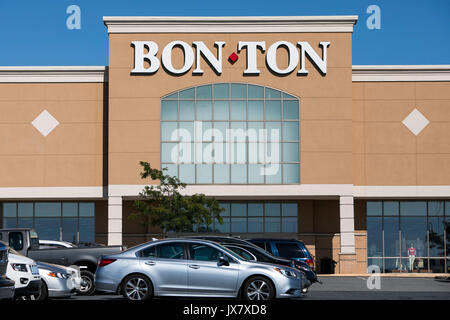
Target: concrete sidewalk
<point>389,275</point>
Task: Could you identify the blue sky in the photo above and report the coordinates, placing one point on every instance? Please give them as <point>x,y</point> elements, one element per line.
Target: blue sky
<point>35,33</point>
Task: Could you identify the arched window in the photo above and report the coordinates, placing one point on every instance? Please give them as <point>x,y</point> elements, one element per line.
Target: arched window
<point>231,133</point>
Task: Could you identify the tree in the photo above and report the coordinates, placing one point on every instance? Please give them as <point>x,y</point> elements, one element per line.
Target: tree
<point>163,205</point>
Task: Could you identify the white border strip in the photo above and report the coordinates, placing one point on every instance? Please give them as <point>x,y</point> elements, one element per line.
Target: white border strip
<point>401,191</point>
<point>52,74</point>
<point>51,192</point>
<point>401,73</point>
<point>230,24</point>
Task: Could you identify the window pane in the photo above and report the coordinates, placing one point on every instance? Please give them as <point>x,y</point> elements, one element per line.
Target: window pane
<point>436,236</point>
<point>393,265</point>
<point>291,152</point>
<point>290,109</point>
<point>47,209</point>
<point>187,173</point>
<point>291,173</point>
<point>273,152</point>
<point>224,227</point>
<point>391,237</point>
<point>221,173</point>
<point>238,110</point>
<point>9,209</point>
<point>204,92</point>
<point>204,110</point>
<point>272,225</point>
<point>272,209</point>
<point>172,96</point>
<point>290,131</point>
<point>289,209</point>
<point>25,223</point>
<point>374,237</point>
<point>25,209</point>
<point>255,130</point>
<point>255,225</point>
<point>276,177</point>
<point>169,110</point>
<point>169,131</point>
<point>413,208</point>
<point>48,228</point>
<point>256,110</point>
<point>272,93</point>
<point>373,208</point>
<point>447,232</point>
<point>70,228</point>
<point>169,150</point>
<point>437,265</point>
<point>254,174</point>
<point>170,251</point>
<point>186,132</point>
<point>390,208</point>
<point>171,169</point>
<point>188,94</point>
<point>70,209</point>
<point>226,207</point>
<point>375,262</point>
<point>273,131</point>
<point>87,229</point>
<point>221,111</point>
<point>221,91</point>
<point>187,111</point>
<point>436,208</point>
<point>238,209</point>
<point>255,92</point>
<point>414,234</point>
<point>9,223</point>
<point>204,173</point>
<point>238,91</point>
<point>238,225</point>
<point>255,209</point>
<point>239,173</point>
<point>273,110</point>
<point>289,224</point>
<point>87,209</point>
<point>203,252</point>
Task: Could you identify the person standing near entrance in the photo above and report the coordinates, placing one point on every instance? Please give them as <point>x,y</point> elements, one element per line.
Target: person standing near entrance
<point>412,256</point>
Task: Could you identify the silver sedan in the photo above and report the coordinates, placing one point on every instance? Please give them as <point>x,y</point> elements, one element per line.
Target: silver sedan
<point>193,268</point>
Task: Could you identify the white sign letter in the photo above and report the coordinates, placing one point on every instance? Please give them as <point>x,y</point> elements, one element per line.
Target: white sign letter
<point>251,54</point>
<point>307,49</point>
<point>216,63</point>
<point>140,57</point>
<point>167,57</point>
<point>271,57</point>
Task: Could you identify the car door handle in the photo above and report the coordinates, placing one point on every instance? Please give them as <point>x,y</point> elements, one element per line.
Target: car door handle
<point>150,263</point>
<point>194,266</point>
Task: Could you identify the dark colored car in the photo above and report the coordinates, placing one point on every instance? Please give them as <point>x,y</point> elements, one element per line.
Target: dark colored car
<point>6,284</point>
<point>289,249</point>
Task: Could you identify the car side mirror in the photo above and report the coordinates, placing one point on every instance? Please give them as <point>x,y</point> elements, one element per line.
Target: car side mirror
<point>223,261</point>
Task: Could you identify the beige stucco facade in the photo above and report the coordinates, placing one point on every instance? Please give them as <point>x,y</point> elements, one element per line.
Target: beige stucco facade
<point>354,145</point>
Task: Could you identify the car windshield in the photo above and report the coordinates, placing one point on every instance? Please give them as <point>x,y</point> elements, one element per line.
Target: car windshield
<point>11,250</point>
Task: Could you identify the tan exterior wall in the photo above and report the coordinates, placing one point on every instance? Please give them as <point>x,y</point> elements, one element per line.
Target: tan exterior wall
<point>71,155</point>
<point>385,152</point>
<point>325,101</point>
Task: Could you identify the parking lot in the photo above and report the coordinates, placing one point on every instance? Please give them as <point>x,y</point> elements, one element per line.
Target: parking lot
<point>355,288</point>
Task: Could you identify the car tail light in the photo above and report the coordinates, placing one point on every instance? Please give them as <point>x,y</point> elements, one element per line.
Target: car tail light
<point>105,262</point>
<point>310,263</point>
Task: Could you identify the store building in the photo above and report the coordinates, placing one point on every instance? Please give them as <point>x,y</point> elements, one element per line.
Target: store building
<point>353,160</point>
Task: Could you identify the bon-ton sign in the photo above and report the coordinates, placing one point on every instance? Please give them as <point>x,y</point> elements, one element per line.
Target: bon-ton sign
<point>146,51</point>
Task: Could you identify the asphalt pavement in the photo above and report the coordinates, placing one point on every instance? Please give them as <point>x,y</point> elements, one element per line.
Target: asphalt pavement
<point>356,288</point>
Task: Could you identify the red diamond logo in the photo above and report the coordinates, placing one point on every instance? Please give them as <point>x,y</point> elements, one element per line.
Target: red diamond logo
<point>233,57</point>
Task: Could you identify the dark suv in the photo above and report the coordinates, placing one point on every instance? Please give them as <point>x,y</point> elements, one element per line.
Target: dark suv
<point>6,285</point>
<point>289,249</point>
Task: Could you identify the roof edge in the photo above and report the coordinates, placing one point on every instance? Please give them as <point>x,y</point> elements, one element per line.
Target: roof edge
<point>375,73</point>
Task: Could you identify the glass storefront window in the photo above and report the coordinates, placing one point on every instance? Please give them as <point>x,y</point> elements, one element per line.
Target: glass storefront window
<point>68,221</point>
<point>409,236</point>
<point>237,123</point>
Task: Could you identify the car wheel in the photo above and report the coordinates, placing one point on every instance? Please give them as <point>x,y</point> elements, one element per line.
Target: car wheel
<point>87,283</point>
<point>137,287</point>
<point>43,293</point>
<point>258,288</point>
